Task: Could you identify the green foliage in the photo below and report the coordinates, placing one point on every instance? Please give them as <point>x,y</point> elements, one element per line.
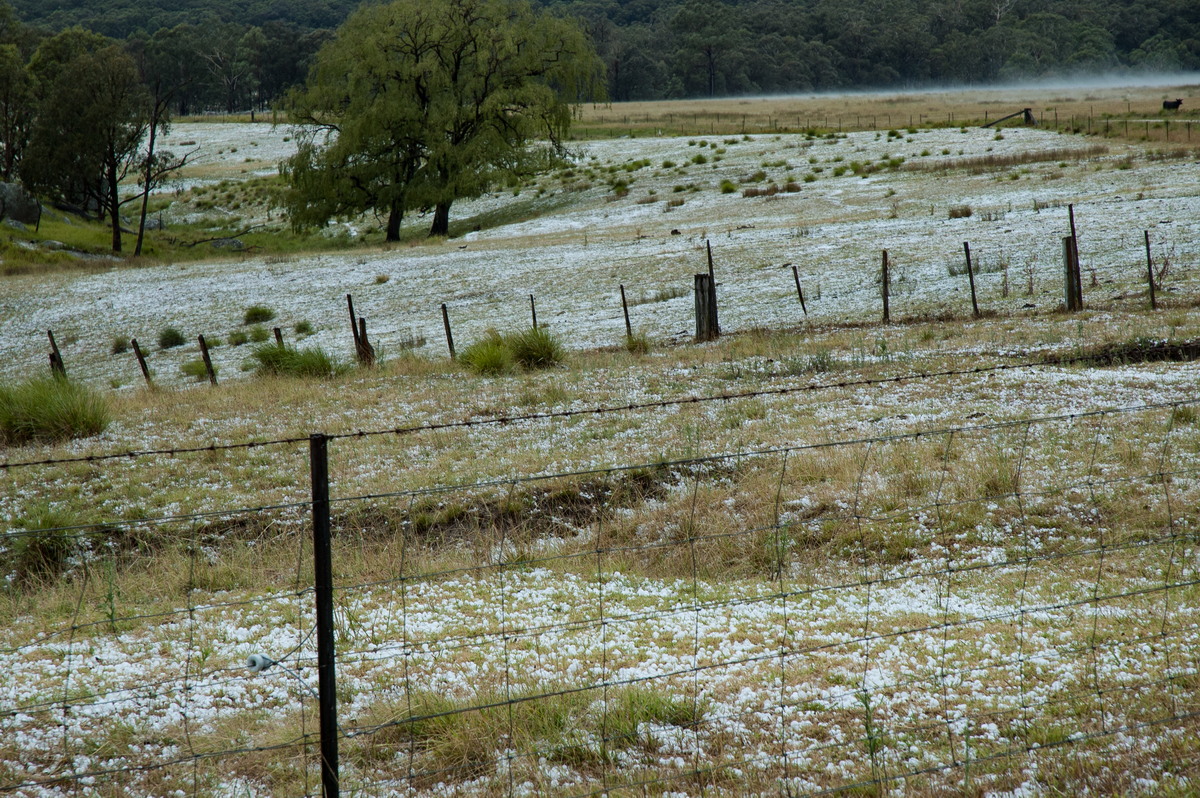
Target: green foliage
<point>170,337</point>
<point>277,360</point>
<point>257,314</point>
<point>196,369</point>
<point>303,328</point>
<point>238,337</point>
<point>258,334</point>
<point>120,344</point>
<point>51,409</point>
<point>638,343</point>
<point>490,355</point>
<point>431,103</point>
<point>535,348</point>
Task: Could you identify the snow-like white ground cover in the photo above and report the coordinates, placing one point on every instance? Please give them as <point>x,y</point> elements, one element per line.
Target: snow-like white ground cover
<point>969,651</point>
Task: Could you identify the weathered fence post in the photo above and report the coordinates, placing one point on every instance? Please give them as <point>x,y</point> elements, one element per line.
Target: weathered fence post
<point>799,290</point>
<point>887,316</point>
<point>56,362</point>
<point>323,592</point>
<point>208,366</point>
<point>365,352</point>
<point>278,336</point>
<point>625,310</point>
<point>971,279</point>
<point>141,359</point>
<point>1076,279</point>
<point>353,324</point>
<point>449,335</point>
<point>712,290</point>
<point>1072,293</point>
<point>706,309</point>
<point>1150,271</point>
<point>533,311</point>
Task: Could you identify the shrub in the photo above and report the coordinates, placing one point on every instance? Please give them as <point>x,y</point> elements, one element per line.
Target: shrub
<point>257,314</point>
<point>304,328</point>
<point>489,355</point>
<point>238,337</point>
<point>289,361</point>
<point>637,344</point>
<point>727,187</point>
<point>120,344</point>
<point>259,334</point>
<point>170,337</point>
<point>535,348</point>
<point>51,409</point>
<point>196,369</point>
<point>960,211</point>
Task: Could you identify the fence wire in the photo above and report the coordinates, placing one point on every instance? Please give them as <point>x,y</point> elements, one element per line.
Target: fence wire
<point>996,607</point>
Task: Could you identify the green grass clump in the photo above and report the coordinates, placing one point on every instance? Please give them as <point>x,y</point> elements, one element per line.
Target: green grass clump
<point>490,355</point>
<point>170,337</point>
<point>274,359</point>
<point>257,314</point>
<point>51,409</point>
<point>239,337</point>
<point>120,344</point>
<point>637,344</point>
<point>535,348</point>
<point>259,334</point>
<point>303,328</point>
<point>196,369</point>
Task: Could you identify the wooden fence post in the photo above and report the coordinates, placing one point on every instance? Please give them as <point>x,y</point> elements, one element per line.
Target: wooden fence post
<point>1072,294</point>
<point>353,324</point>
<point>208,366</point>
<point>971,279</point>
<point>533,311</point>
<point>365,352</point>
<point>141,359</point>
<point>1150,271</point>
<point>706,310</point>
<point>449,335</point>
<point>56,362</point>
<point>887,316</point>
<point>278,336</point>
<point>625,310</point>
<point>799,290</point>
<point>712,291</point>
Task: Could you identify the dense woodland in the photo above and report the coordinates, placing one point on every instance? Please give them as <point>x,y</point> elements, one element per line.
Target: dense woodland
<point>245,53</point>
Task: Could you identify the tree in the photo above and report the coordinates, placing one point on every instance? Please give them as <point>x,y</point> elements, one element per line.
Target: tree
<point>16,110</point>
<point>415,105</point>
<point>89,126</point>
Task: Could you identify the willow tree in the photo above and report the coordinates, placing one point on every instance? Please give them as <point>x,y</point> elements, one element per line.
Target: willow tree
<point>413,105</point>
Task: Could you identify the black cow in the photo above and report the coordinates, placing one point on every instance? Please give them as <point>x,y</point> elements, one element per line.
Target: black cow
<point>1172,105</point>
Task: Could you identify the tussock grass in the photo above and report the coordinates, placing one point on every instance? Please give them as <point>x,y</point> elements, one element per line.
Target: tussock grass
<point>494,354</point>
<point>276,360</point>
<point>51,409</point>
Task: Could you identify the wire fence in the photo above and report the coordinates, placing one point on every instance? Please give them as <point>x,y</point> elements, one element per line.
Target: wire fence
<point>989,607</point>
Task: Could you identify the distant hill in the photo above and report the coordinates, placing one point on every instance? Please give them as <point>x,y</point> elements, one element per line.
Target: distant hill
<point>119,18</point>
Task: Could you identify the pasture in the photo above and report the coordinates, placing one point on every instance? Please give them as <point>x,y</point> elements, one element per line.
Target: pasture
<point>823,553</point>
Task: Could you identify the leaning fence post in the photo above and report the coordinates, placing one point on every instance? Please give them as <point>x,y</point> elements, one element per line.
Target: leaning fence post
<point>56,362</point>
<point>625,310</point>
<point>449,335</point>
<point>971,279</point>
<point>278,336</point>
<point>208,366</point>
<point>712,292</point>
<point>323,583</point>
<point>1150,271</point>
<point>141,359</point>
<point>887,316</point>
<point>799,290</point>
<point>533,311</point>
<point>353,324</point>
<point>1075,277</point>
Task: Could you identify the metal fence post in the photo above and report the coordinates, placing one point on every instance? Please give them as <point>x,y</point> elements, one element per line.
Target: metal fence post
<point>323,582</point>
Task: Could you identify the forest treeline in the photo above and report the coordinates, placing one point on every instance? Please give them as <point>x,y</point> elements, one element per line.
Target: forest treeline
<point>245,53</point>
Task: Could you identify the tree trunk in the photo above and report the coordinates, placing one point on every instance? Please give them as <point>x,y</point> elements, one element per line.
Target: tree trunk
<point>395,215</point>
<point>114,204</point>
<point>154,117</point>
<point>441,220</point>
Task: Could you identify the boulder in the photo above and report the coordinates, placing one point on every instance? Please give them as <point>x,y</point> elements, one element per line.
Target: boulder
<point>18,204</point>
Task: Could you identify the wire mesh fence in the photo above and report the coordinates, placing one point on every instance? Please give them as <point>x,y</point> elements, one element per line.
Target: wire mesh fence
<point>988,607</point>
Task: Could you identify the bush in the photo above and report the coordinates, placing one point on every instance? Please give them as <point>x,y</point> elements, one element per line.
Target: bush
<point>535,348</point>
<point>637,344</point>
<point>292,362</point>
<point>960,211</point>
<point>489,355</point>
<point>259,334</point>
<point>257,314</point>
<point>170,337</point>
<point>51,409</point>
<point>303,328</point>
<point>238,337</point>
<point>727,187</point>
<point>196,369</point>
<point>120,344</point>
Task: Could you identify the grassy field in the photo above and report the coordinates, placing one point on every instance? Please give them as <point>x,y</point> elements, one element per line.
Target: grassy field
<point>944,554</point>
